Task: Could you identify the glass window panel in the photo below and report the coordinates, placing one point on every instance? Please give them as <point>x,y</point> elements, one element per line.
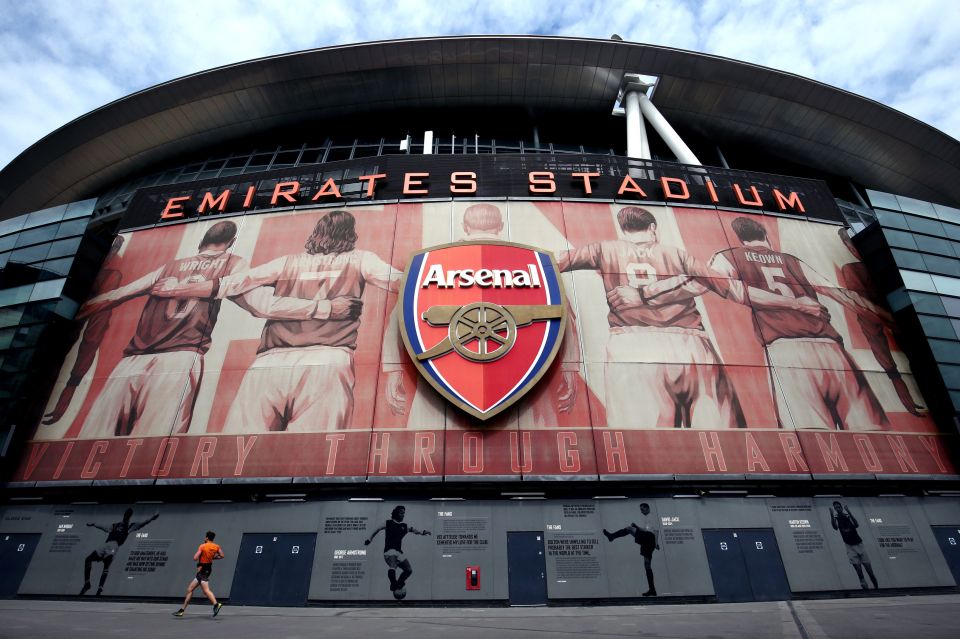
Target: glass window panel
<point>286,158</point>
<point>259,161</point>
<point>11,315</point>
<point>237,163</point>
<point>339,153</point>
<point>955,323</point>
<point>947,285</point>
<point>883,200</point>
<point>392,145</point>
<point>952,231</point>
<point>945,351</point>
<point>214,165</point>
<point>900,239</point>
<point>37,235</point>
<point>84,208</point>
<point>918,281</point>
<point>46,216</point>
<point>8,242</point>
<point>917,207</point>
<point>899,300</point>
<point>58,268</point>
<point>933,245</point>
<point>313,156</point>
<point>373,151</point>
<point>72,227</point>
<point>62,248</point>
<point>950,375</point>
<point>938,326</point>
<point>942,265</point>
<point>947,213</point>
<point>15,295</point>
<point>47,290</point>
<point>955,398</point>
<point>25,336</point>
<point>950,305</point>
<point>66,307</point>
<point>924,225</point>
<point>186,177</point>
<point>909,259</point>
<point>30,254</point>
<point>17,360</point>
<point>13,225</point>
<point>891,219</point>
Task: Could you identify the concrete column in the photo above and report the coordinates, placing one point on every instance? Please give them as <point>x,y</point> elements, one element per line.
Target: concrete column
<point>663,128</point>
<point>637,144</point>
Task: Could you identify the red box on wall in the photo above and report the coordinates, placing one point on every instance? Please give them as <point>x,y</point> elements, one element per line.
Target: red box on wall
<point>473,577</point>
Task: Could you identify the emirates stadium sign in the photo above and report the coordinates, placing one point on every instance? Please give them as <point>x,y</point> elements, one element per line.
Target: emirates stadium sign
<point>482,321</point>
<point>412,177</point>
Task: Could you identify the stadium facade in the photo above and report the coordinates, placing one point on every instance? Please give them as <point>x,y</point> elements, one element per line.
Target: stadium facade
<point>552,319</point>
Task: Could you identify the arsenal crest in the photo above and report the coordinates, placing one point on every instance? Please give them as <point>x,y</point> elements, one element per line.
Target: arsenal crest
<point>482,320</point>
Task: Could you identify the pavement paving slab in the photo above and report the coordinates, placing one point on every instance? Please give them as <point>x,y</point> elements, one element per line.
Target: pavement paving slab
<point>904,617</point>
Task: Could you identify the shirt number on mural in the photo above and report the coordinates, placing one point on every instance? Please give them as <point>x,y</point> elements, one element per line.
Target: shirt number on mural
<point>770,275</point>
<point>180,308</point>
<point>640,274</point>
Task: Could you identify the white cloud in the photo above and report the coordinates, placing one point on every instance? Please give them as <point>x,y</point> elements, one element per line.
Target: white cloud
<point>60,59</point>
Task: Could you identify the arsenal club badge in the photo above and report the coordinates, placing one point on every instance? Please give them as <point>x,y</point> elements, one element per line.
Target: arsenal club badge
<point>482,320</point>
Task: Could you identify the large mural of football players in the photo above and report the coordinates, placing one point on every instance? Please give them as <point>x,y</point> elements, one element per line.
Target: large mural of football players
<point>164,359</point>
<point>814,369</point>
<point>332,273</point>
<point>688,386</point>
<point>727,342</point>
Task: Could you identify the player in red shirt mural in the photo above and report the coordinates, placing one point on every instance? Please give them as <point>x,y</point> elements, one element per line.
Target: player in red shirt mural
<point>854,276</point>
<point>164,359</point>
<point>303,376</point>
<point>93,333</point>
<point>675,360</point>
<point>819,380</point>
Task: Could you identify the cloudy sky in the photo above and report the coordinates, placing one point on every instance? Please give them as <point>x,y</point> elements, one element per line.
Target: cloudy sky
<point>61,58</point>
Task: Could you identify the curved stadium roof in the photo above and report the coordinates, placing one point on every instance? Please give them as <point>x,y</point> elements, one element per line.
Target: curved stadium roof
<point>730,102</point>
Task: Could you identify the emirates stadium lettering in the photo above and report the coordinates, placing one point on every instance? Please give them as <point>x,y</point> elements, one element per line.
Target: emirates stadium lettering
<point>700,190</point>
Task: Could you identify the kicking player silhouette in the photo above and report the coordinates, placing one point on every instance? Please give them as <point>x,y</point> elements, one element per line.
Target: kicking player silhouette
<point>393,555</point>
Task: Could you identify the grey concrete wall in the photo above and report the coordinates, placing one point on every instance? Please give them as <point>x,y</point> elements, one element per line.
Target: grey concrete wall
<point>581,563</point>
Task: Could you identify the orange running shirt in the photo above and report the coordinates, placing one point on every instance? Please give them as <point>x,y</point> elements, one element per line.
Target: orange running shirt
<point>208,551</point>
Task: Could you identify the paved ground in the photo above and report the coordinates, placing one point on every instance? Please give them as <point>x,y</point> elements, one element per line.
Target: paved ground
<point>917,617</point>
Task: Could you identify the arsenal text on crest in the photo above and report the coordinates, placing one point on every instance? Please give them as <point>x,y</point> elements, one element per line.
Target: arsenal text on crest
<point>485,277</point>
